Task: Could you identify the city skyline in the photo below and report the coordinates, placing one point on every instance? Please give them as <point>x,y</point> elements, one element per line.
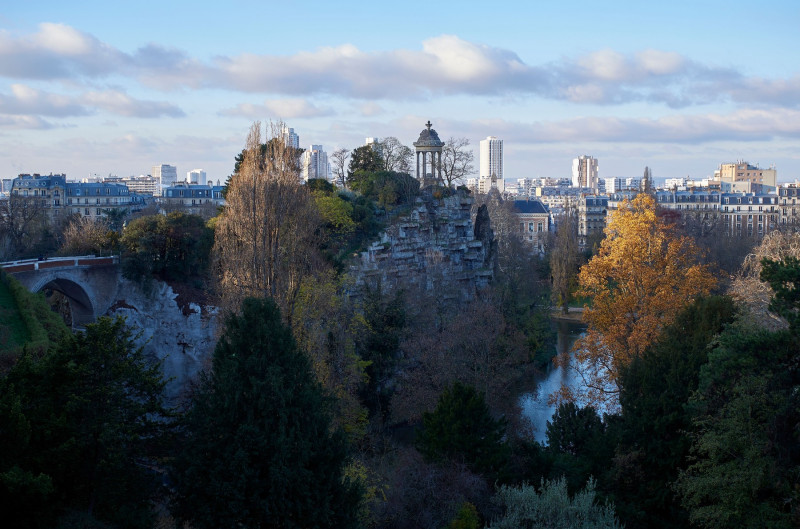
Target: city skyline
<point>104,89</point>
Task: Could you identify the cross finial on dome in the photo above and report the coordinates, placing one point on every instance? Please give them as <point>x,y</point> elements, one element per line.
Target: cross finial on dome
<point>428,124</point>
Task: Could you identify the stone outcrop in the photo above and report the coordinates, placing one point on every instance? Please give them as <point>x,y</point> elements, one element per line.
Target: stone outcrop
<point>432,246</point>
<point>181,338</point>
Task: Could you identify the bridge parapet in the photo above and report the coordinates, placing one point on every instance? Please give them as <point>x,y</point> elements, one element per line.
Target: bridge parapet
<point>30,265</point>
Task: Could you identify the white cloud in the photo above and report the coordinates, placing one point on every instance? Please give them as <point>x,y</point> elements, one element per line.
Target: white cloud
<point>445,64</point>
<point>120,103</point>
<point>25,100</point>
<point>57,51</point>
<point>279,109</point>
<point>746,125</point>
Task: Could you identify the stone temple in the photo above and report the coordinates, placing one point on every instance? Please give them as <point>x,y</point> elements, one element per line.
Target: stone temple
<point>429,148</point>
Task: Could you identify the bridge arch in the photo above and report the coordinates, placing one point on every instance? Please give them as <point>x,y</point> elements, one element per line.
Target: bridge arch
<point>80,303</point>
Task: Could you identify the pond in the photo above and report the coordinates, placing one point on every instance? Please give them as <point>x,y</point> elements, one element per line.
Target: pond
<point>535,405</point>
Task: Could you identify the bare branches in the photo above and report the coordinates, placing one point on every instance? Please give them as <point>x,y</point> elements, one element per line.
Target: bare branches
<point>457,161</point>
<point>396,156</point>
<point>340,157</point>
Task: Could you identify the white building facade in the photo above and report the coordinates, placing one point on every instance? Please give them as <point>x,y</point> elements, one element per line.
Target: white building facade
<point>166,175</point>
<point>315,164</point>
<point>290,138</point>
<point>196,176</point>
<point>584,172</point>
<point>491,165</point>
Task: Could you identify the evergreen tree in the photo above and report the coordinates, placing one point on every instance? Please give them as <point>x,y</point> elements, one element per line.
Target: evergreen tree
<point>257,449</point>
<point>462,429</point>
<point>656,427</point>
<point>76,427</point>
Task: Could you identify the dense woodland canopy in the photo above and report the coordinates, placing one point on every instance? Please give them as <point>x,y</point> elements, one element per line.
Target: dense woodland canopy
<point>398,408</point>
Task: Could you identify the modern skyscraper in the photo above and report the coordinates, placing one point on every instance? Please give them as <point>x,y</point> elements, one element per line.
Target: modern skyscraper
<point>196,176</point>
<point>584,172</point>
<point>315,164</point>
<point>165,175</point>
<point>290,138</point>
<point>491,165</point>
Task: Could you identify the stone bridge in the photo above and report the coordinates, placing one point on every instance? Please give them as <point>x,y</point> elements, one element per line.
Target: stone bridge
<point>88,282</point>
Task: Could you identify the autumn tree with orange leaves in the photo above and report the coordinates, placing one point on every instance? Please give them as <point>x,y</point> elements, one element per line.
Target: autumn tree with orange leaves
<point>643,275</point>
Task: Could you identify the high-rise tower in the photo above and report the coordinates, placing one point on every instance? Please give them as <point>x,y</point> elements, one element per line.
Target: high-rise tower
<point>491,165</point>
<point>584,172</point>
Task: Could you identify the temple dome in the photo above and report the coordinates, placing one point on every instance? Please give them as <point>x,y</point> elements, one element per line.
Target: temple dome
<point>428,138</point>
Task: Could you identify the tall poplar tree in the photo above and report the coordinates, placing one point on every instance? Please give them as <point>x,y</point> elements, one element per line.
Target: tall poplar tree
<point>266,239</point>
<point>258,450</point>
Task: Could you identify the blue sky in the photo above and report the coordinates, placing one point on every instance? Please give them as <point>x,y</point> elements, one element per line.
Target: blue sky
<point>96,88</point>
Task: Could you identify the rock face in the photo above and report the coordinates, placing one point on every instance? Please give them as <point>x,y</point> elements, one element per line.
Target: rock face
<point>435,244</point>
<point>183,339</point>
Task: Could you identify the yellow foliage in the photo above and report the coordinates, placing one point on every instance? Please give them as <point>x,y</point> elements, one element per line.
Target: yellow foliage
<point>643,275</point>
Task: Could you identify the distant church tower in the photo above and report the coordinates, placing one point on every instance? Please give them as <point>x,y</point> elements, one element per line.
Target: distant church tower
<point>429,146</point>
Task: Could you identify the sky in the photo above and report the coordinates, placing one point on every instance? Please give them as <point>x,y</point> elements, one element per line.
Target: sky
<point>94,88</point>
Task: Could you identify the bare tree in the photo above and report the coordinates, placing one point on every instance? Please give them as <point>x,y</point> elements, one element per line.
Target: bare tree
<point>265,240</point>
<point>395,155</point>
<point>457,161</point>
<point>340,157</point>
<point>564,259</point>
<point>85,235</point>
<point>23,222</point>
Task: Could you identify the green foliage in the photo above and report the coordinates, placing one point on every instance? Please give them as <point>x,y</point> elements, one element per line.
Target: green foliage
<point>579,445</point>
<point>257,449</point>
<point>745,469</point>
<point>656,426</point>
<point>26,320</point>
<point>462,429</point>
<point>784,278</point>
<point>746,464</point>
<point>387,188</point>
<point>467,518</point>
<point>336,212</point>
<point>573,430</point>
<point>364,159</point>
<point>320,185</point>
<point>76,425</point>
<point>552,507</point>
<point>382,323</point>
<point>173,248</point>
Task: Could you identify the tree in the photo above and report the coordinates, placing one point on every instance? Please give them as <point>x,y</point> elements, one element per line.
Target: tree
<point>640,279</point>
<point>339,158</point>
<point>23,225</point>
<point>461,429</point>
<point>552,508</point>
<point>564,260</point>
<point>394,155</point>
<point>745,455</point>
<point>86,235</point>
<point>647,185</point>
<point>366,159</point>
<point>257,449</point>
<point>79,427</point>
<point>176,247</point>
<point>749,287</point>
<point>656,428</point>
<point>266,238</point>
<point>457,161</point>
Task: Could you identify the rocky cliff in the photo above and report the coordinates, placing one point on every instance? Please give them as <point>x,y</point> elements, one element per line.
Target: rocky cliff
<point>434,245</point>
<point>182,338</point>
